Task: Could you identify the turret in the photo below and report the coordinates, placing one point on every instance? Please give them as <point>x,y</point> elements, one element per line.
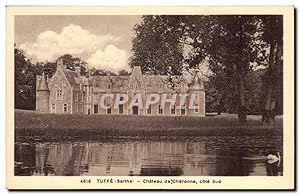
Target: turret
<point>197,92</point>
<point>42,95</point>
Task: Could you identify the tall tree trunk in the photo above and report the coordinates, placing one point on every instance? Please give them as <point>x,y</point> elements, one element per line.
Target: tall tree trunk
<point>219,106</point>
<point>242,111</point>
<point>219,109</point>
<point>268,114</point>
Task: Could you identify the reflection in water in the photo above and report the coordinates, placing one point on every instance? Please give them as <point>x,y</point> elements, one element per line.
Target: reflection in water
<point>214,155</point>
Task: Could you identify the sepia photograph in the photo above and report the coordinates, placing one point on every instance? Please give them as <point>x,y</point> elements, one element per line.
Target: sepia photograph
<point>163,95</point>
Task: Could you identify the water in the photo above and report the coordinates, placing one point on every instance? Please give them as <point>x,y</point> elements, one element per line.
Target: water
<point>172,156</point>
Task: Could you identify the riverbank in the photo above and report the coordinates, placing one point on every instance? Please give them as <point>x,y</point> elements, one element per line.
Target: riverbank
<point>31,125</point>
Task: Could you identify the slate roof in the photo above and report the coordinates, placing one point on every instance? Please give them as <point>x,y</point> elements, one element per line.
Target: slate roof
<point>151,83</point>
<point>117,83</point>
<point>72,77</point>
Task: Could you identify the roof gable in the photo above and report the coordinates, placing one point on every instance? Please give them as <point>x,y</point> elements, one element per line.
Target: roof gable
<point>136,81</point>
<point>64,76</point>
<point>71,78</point>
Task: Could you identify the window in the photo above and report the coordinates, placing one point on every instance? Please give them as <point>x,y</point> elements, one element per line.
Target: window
<point>96,109</point>
<point>173,109</point>
<point>65,107</point>
<point>121,106</point>
<point>183,110</point>
<point>75,107</point>
<point>197,108</point>
<point>108,111</point>
<point>160,110</point>
<point>77,96</point>
<point>149,110</point>
<point>81,107</point>
<point>88,98</point>
<point>121,109</point>
<point>135,110</point>
<point>53,108</point>
<point>59,94</point>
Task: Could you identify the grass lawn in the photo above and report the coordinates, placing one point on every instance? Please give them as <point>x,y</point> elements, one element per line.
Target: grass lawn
<point>29,123</point>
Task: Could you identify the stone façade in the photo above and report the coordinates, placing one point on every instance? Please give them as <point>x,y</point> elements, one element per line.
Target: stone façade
<point>70,92</point>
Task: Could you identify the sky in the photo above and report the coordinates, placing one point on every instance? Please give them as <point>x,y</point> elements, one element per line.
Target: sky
<point>104,42</point>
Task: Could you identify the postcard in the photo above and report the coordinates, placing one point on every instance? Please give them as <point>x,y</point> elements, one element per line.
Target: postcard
<point>188,98</point>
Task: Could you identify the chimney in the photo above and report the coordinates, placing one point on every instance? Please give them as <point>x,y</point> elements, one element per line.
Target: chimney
<point>60,63</point>
<point>87,73</point>
<point>78,70</point>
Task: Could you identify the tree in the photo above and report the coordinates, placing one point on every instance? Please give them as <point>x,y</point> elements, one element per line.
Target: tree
<point>71,62</point>
<point>228,44</point>
<point>231,53</point>
<point>25,81</point>
<point>254,91</point>
<point>123,72</point>
<point>157,47</point>
<point>95,72</point>
<point>271,45</point>
<point>164,44</point>
<point>221,93</point>
<point>48,67</point>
